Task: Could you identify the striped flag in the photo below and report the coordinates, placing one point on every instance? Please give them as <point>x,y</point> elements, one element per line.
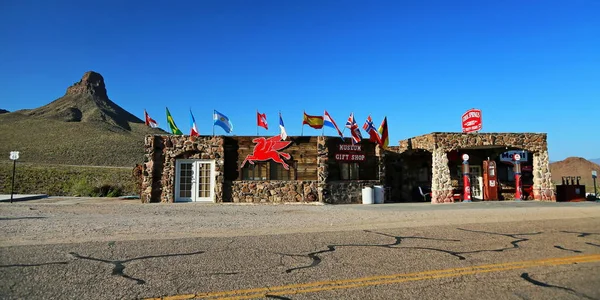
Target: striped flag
<point>383,130</point>
<point>329,122</point>
<point>283,133</point>
<point>315,122</point>
<point>194,130</point>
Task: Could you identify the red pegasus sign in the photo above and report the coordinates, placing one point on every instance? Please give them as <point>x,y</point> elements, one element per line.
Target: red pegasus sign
<point>266,149</point>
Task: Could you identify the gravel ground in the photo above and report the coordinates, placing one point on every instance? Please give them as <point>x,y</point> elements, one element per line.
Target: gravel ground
<point>75,220</point>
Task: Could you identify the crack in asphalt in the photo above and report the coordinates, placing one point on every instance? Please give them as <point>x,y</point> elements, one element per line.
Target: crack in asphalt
<point>277,297</point>
<point>592,244</point>
<point>119,265</point>
<point>581,234</point>
<point>542,284</point>
<point>316,259</point>
<point>459,254</point>
<point>572,250</point>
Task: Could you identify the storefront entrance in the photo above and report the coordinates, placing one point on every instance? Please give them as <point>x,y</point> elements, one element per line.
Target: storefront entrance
<point>194,180</point>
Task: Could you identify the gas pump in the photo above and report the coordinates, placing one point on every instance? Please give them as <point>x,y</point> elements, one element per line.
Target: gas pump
<point>490,183</point>
<point>518,189</point>
<point>466,179</point>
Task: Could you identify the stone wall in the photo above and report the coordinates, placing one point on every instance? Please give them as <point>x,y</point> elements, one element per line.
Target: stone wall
<point>275,191</point>
<point>161,151</point>
<point>543,188</point>
<point>346,192</point>
<point>447,141</point>
<point>441,186</point>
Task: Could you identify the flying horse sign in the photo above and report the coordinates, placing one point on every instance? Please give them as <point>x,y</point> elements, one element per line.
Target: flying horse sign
<point>471,120</point>
<point>266,149</point>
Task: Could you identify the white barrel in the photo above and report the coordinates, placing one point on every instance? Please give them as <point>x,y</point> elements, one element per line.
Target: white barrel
<point>367,195</point>
<point>379,194</point>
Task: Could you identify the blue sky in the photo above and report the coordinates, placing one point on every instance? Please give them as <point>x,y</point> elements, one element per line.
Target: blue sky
<point>530,66</point>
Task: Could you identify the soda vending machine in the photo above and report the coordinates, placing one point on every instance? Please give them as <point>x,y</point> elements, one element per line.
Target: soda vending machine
<point>490,181</point>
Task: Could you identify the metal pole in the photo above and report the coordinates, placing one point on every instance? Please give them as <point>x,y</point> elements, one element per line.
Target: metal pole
<point>13,180</point>
<point>595,191</point>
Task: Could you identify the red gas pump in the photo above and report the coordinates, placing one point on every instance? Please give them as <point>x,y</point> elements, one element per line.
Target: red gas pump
<point>466,179</point>
<point>490,185</point>
<point>518,189</point>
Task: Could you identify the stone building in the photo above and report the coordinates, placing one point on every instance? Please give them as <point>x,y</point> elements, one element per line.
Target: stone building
<point>332,170</point>
<point>214,169</point>
<point>433,160</point>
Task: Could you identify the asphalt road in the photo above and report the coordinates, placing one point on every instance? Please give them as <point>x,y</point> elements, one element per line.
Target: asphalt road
<point>541,259</point>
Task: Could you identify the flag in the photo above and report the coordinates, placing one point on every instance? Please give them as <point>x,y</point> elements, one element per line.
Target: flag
<point>174,129</point>
<point>194,130</point>
<point>315,122</point>
<point>383,130</point>
<point>354,130</point>
<point>282,134</point>
<point>370,129</point>
<point>328,121</point>
<point>261,120</point>
<point>149,121</point>
<point>222,121</point>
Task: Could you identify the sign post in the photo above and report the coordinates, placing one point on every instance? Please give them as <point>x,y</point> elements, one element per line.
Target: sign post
<point>14,155</point>
<point>594,175</point>
<point>466,179</point>
<point>518,190</point>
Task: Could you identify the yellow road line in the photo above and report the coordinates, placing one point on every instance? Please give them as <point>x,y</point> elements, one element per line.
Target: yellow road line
<point>382,279</point>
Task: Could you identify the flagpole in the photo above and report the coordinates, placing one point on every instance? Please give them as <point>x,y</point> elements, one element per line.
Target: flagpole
<point>323,132</point>
<point>257,122</point>
<point>214,111</point>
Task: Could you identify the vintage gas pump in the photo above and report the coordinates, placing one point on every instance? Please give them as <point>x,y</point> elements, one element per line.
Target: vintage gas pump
<point>466,179</point>
<point>518,189</point>
<point>490,183</point>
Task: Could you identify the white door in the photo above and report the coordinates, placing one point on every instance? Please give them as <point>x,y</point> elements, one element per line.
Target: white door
<point>476,182</point>
<point>195,180</point>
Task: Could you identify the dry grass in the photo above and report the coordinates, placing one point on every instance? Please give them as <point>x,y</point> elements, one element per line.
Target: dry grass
<point>62,180</point>
<point>51,141</point>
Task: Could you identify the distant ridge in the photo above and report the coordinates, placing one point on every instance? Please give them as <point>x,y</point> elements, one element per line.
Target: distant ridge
<point>87,101</point>
<point>595,160</point>
<point>3,111</point>
<point>574,166</point>
<point>83,127</point>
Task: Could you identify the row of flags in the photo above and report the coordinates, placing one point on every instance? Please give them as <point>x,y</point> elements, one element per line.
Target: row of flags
<point>377,135</point>
<point>219,119</point>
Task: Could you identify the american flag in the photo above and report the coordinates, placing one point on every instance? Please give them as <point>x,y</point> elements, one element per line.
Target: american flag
<point>354,130</point>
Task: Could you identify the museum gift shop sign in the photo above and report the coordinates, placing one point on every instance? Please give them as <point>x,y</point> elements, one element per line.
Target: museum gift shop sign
<point>350,153</point>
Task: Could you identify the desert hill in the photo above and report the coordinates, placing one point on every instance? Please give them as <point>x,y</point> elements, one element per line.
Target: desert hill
<point>575,166</point>
<point>83,127</point>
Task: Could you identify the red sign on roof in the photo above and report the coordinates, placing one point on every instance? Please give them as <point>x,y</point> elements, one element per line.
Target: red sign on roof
<point>471,120</point>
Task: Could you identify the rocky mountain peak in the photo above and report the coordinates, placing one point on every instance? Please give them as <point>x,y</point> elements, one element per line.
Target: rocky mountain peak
<point>91,83</point>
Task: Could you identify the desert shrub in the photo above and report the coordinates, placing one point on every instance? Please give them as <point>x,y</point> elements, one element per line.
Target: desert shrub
<point>82,187</point>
